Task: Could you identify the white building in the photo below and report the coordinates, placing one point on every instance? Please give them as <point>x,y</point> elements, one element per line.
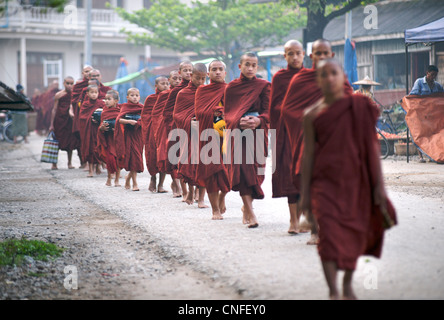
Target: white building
<point>39,45</point>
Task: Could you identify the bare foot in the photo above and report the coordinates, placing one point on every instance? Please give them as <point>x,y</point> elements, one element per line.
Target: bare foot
<point>184,196</point>
<point>314,240</point>
<point>202,205</point>
<point>108,183</point>
<point>304,227</point>
<point>217,216</point>
<point>245,219</point>
<point>189,200</point>
<point>253,221</point>
<point>54,167</point>
<point>117,185</point>
<point>152,187</point>
<point>294,229</point>
<point>160,189</point>
<point>136,188</point>
<point>70,167</point>
<point>128,183</point>
<point>98,171</point>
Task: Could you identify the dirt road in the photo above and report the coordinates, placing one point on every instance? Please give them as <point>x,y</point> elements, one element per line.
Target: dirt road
<point>139,245</point>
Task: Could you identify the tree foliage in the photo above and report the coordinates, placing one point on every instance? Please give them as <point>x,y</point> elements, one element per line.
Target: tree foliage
<point>321,12</point>
<point>219,27</point>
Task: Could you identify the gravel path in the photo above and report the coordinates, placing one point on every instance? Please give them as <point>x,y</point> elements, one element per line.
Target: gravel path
<point>139,245</point>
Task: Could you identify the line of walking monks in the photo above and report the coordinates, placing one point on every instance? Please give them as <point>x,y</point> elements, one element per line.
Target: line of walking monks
<point>326,154</point>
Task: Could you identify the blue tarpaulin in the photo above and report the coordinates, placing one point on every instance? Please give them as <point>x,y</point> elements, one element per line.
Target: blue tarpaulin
<point>431,32</point>
<point>122,88</point>
<point>351,63</point>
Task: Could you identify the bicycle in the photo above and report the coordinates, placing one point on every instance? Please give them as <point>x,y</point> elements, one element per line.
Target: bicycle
<point>6,128</point>
<point>385,122</point>
<point>385,145</point>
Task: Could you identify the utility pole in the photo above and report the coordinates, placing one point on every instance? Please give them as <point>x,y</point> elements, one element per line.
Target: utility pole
<point>348,25</point>
<point>88,35</point>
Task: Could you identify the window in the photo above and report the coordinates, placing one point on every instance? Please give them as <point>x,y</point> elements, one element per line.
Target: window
<point>390,71</point>
<point>52,70</point>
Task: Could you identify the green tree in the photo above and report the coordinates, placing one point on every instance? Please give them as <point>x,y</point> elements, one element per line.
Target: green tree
<point>221,28</point>
<point>321,12</point>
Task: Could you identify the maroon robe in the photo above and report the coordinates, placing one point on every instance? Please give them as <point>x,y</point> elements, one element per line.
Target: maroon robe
<point>47,105</point>
<point>154,138</point>
<point>147,111</point>
<point>37,104</point>
<point>75,102</point>
<point>345,174</point>
<point>242,96</point>
<point>282,184</point>
<point>128,139</point>
<point>167,124</point>
<point>68,141</point>
<point>302,93</point>
<point>106,146</point>
<point>182,115</point>
<point>88,130</point>
<point>208,100</point>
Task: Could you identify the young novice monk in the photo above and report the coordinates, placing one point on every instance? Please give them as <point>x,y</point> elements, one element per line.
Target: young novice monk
<point>208,105</point>
<point>128,137</point>
<point>106,147</point>
<point>183,115</point>
<point>342,183</point>
<point>88,129</point>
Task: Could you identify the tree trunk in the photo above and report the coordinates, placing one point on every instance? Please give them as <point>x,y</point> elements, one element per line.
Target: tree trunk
<point>316,23</point>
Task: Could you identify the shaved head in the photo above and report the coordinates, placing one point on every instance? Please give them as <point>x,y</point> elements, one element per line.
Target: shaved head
<point>216,61</point>
<point>292,43</point>
<point>321,42</point>
<point>160,79</point>
<point>200,68</point>
<point>248,55</point>
<point>321,50</point>
<point>185,64</point>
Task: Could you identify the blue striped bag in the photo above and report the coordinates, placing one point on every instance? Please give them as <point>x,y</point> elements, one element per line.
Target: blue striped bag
<point>50,151</point>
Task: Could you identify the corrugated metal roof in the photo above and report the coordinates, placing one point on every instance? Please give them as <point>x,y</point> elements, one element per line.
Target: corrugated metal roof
<point>393,17</point>
<point>11,100</point>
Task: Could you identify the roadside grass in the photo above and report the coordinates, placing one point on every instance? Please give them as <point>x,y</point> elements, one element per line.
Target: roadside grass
<point>13,251</point>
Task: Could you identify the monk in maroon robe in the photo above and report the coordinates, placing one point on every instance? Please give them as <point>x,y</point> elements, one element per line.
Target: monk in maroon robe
<point>154,138</point>
<point>61,122</point>
<point>342,181</point>
<point>161,85</point>
<point>211,169</point>
<point>129,140</point>
<point>106,146</point>
<point>75,99</point>
<point>36,101</point>
<point>281,183</point>
<point>246,108</point>
<point>303,92</point>
<point>167,124</point>
<point>47,102</point>
<point>183,115</point>
<point>88,129</point>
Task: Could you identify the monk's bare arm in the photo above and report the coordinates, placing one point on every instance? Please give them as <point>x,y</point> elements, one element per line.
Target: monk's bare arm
<point>130,122</point>
<point>307,159</point>
<point>54,110</point>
